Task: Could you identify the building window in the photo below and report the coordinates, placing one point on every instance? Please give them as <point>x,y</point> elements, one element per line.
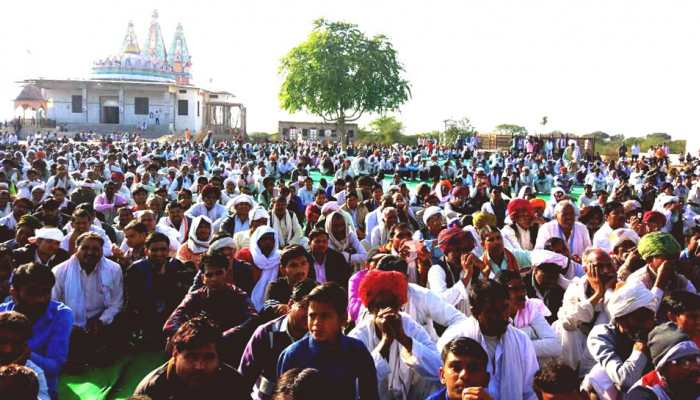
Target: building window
<point>77,103</point>
<point>182,107</point>
<point>182,91</point>
<point>141,105</point>
<point>213,96</point>
<point>198,109</point>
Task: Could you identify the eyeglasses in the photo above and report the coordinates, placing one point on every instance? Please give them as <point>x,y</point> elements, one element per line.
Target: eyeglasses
<point>687,361</point>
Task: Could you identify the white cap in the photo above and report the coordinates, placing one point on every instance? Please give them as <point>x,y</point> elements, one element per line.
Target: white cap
<point>49,234</point>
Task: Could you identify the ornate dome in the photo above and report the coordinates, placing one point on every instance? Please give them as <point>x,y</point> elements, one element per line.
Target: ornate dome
<point>150,63</point>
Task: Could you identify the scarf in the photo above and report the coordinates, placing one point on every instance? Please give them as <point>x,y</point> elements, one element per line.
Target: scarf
<point>509,368</point>
<point>285,230</point>
<point>74,293</point>
<point>339,245</point>
<point>533,308</point>
<point>195,245</point>
<point>268,264</point>
<point>511,263</point>
<point>400,377</point>
<point>183,230</point>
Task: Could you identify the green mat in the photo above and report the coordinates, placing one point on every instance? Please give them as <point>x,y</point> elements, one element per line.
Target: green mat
<point>116,382</point>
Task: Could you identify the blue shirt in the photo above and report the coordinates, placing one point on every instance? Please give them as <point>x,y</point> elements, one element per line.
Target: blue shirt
<point>50,339</point>
<point>346,363</point>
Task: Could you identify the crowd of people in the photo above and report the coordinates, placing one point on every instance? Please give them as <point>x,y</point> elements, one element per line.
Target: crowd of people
<point>307,271</point>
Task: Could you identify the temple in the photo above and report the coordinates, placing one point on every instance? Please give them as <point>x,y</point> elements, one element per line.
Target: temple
<point>146,87</point>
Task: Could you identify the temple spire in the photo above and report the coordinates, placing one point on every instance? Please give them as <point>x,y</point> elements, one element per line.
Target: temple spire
<point>180,57</point>
<point>154,47</point>
<point>131,43</point>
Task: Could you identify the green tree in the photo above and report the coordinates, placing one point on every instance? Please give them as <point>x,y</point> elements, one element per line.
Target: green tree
<point>339,74</point>
<point>387,130</point>
<point>659,136</point>
<point>511,129</point>
<point>455,129</point>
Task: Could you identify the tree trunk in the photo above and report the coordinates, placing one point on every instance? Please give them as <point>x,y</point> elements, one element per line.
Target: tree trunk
<point>340,128</point>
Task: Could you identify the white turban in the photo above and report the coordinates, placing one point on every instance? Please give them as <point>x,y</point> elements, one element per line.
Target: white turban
<point>259,213</point>
<point>242,198</point>
<point>429,212</point>
<point>226,241</point>
<point>620,235</point>
<point>629,298</point>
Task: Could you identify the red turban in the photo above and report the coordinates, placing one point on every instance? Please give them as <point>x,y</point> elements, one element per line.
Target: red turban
<point>244,254</point>
<point>655,215</point>
<point>538,203</point>
<point>209,188</point>
<point>519,205</point>
<point>452,238</point>
<point>387,282</point>
<point>117,176</point>
<point>311,207</point>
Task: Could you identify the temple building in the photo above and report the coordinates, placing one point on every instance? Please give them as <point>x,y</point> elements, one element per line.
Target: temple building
<point>144,87</point>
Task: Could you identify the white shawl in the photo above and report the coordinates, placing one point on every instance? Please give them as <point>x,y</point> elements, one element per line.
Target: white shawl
<point>74,293</point>
<point>195,245</point>
<point>268,265</point>
<point>182,232</point>
<point>276,223</point>
<point>400,375</point>
<point>510,366</point>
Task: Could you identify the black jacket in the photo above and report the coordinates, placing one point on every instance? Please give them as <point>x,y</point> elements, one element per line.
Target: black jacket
<point>337,268</point>
<point>26,254</point>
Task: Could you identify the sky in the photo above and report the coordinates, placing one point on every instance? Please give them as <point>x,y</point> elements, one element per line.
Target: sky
<point>622,67</point>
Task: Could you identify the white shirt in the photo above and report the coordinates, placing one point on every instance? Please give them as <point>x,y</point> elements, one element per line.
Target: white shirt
<point>577,242</point>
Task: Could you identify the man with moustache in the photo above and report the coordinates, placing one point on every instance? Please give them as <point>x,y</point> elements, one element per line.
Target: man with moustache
<point>51,320</point>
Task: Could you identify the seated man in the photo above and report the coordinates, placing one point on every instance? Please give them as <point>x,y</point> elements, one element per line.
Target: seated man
<point>19,382</point>
<point>15,331</point>
<point>676,371</point>
<point>81,222</point>
<point>154,286</point>
<point>43,248</point>
<point>294,266</point>
<point>135,236</point>
<point>328,264</point>
<point>285,223</point>
<point>620,347</point>
<point>497,258</point>
<point>512,359</point>
<point>224,304</point>
<point>660,251</point>
<point>463,371</point>
<point>195,370</point>
<point>543,283</point>
<point>26,226</point>
<point>343,360</point>
<point>51,321</point>
<point>683,309</point>
<point>92,286</point>
<point>528,315</point>
<point>557,381</point>
<point>585,306</point>
<point>424,306</point>
<point>404,354</point>
<point>452,275</point>
<point>240,274</point>
<point>259,361</point>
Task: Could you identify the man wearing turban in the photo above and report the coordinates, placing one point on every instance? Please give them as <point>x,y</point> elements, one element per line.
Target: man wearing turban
<point>660,251</point>
<point>521,233</point>
<point>620,347</point>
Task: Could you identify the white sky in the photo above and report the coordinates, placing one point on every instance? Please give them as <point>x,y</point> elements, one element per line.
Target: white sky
<point>627,67</point>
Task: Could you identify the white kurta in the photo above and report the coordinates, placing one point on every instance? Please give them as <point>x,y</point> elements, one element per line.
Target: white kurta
<point>416,373</point>
<point>578,241</point>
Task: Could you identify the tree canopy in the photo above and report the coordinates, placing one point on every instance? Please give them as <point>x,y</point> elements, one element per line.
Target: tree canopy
<point>511,129</point>
<point>339,74</point>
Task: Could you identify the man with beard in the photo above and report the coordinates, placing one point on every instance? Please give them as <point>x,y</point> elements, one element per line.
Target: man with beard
<point>15,330</point>
<point>51,320</point>
<point>25,229</point>
<point>512,362</point>
<point>459,204</point>
<point>20,207</point>
<point>108,202</point>
<point>195,369</point>
<point>270,339</point>
<point>676,373</point>
<point>620,347</point>
<point>91,285</point>
<point>43,248</point>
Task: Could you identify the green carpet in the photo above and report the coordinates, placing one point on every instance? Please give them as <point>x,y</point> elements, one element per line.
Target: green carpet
<point>116,382</point>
